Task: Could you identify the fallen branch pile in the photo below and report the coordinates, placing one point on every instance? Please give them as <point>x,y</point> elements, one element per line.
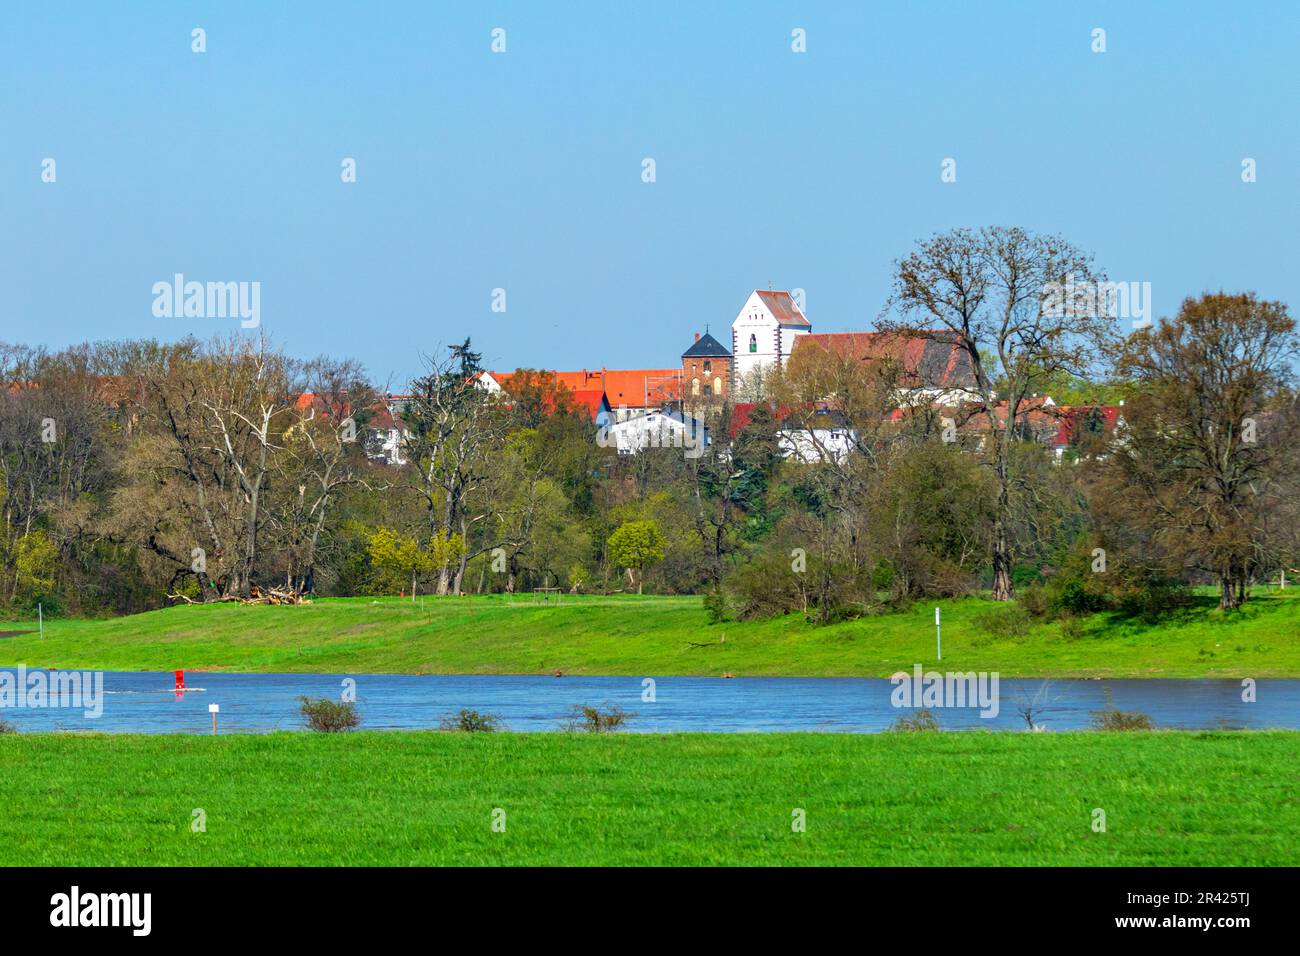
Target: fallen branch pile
<point>256,596</point>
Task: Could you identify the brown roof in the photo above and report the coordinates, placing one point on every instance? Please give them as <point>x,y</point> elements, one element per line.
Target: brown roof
<point>934,360</point>
<point>781,305</point>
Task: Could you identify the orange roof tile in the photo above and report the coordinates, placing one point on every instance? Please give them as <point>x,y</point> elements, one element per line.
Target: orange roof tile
<point>783,307</point>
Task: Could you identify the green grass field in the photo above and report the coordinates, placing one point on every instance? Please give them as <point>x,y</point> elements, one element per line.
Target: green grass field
<point>1223,798</point>
<point>654,636</point>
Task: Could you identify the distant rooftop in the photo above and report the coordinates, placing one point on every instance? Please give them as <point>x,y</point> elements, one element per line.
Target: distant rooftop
<point>706,346</point>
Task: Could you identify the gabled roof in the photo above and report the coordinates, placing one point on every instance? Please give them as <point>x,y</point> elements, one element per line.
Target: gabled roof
<point>934,360</point>
<point>593,400</point>
<point>782,307</point>
<point>630,386</point>
<point>1074,418</point>
<point>742,412</point>
<point>667,411</point>
<point>706,346</point>
<point>621,386</point>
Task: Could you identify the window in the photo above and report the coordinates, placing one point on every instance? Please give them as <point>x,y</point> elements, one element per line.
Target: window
<point>707,367</point>
<point>753,343</point>
<point>695,386</point>
<point>717,386</point>
<point>708,390</point>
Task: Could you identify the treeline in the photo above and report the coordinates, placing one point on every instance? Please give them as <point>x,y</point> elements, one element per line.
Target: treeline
<point>139,474</point>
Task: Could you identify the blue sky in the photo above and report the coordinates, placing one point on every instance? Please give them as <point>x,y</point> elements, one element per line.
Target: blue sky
<point>522,170</point>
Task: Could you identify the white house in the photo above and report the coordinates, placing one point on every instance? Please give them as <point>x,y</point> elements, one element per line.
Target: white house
<point>666,428</point>
<point>825,437</point>
<point>764,333</point>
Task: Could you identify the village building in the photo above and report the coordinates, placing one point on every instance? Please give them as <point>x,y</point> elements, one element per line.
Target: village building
<point>764,333</point>
<point>663,428</point>
<point>931,369</point>
<point>627,393</point>
<point>706,372</point>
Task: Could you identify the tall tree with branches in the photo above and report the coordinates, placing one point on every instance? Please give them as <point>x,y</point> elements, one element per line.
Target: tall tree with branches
<point>990,293</point>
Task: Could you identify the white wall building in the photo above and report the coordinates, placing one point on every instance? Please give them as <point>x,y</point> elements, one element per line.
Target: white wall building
<point>666,428</point>
<point>764,333</point>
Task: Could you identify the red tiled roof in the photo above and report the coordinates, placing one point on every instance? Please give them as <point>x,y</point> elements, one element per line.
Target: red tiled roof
<point>740,413</point>
<point>590,399</point>
<point>621,386</point>
<point>743,412</point>
<point>783,307</point>
<point>630,386</point>
<point>934,360</point>
<point>381,417</point>
<point>1073,417</point>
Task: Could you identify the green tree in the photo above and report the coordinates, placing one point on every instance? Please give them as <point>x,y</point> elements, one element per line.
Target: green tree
<point>397,556</point>
<point>635,545</point>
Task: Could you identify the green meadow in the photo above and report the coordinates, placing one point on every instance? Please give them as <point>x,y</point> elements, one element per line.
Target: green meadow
<point>1170,799</point>
<point>632,635</point>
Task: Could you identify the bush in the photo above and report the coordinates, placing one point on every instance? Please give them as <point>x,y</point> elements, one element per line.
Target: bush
<point>1071,628</point>
<point>1035,600</point>
<point>923,721</point>
<point>717,606</point>
<point>330,716</point>
<point>1112,719</point>
<point>1008,621</point>
<point>7,728</point>
<point>1126,586</point>
<point>470,722</point>
<point>593,720</point>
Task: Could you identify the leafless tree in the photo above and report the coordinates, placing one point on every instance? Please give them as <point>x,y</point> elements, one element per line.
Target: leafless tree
<point>989,292</point>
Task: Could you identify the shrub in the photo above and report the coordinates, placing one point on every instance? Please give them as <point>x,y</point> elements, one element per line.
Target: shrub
<point>1112,719</point>
<point>593,720</point>
<point>1071,628</point>
<point>330,716</point>
<point>717,606</point>
<point>923,721</point>
<point>7,728</point>
<point>1035,600</point>
<point>1078,595</point>
<point>1008,621</point>
<point>470,722</point>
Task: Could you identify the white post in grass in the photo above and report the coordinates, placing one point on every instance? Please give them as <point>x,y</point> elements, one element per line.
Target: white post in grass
<point>212,709</point>
<point>938,637</point>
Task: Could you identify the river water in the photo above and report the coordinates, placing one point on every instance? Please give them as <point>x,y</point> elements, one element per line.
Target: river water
<point>145,702</point>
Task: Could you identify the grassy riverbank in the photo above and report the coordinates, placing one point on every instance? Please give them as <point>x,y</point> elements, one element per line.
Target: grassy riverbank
<point>1224,798</point>
<point>656,636</point>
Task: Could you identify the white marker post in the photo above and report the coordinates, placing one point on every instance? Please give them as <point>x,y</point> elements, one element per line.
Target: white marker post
<point>212,709</point>
<point>938,637</point>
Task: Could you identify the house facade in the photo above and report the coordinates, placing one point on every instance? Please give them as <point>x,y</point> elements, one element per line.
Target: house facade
<point>764,333</point>
<point>706,372</point>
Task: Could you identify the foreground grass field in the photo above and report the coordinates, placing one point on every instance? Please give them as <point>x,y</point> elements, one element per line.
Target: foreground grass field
<point>1223,798</point>
<point>656,636</point>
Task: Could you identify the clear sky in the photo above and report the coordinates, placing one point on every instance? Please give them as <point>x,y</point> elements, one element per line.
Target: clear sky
<point>523,170</point>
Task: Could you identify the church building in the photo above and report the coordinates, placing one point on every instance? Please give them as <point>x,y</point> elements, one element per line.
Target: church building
<point>764,333</point>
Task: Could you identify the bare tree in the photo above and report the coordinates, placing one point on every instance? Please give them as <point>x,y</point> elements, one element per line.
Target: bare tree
<point>455,426</point>
<point>323,453</point>
<point>217,413</point>
<point>990,294</point>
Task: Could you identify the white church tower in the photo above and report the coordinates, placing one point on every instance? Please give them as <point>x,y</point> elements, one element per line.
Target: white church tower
<point>763,334</point>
